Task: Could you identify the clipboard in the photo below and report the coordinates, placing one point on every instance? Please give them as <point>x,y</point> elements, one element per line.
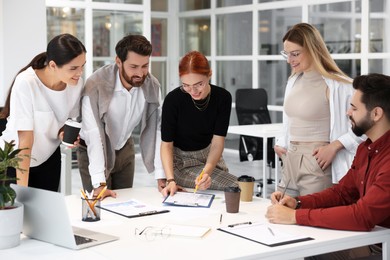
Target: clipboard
<point>132,209</point>
<point>264,234</point>
<point>190,199</point>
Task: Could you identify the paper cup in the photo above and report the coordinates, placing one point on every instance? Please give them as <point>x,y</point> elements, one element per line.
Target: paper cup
<point>247,184</point>
<point>71,132</point>
<point>232,199</point>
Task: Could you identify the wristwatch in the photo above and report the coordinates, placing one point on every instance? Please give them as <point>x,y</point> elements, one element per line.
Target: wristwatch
<point>100,184</point>
<point>298,205</point>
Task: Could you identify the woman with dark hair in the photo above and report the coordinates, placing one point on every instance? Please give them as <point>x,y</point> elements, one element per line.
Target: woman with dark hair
<point>43,95</point>
<point>195,119</point>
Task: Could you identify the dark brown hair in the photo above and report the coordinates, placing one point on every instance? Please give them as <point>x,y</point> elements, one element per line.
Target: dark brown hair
<point>61,49</point>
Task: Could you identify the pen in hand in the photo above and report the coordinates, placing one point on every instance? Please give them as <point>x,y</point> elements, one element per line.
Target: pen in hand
<point>198,178</point>
<point>284,191</point>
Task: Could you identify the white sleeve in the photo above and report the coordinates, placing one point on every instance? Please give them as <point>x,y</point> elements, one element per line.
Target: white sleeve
<point>92,138</point>
<point>158,167</point>
<point>21,106</point>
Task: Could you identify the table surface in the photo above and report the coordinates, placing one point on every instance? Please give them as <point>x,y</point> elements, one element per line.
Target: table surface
<point>215,245</point>
<point>257,130</point>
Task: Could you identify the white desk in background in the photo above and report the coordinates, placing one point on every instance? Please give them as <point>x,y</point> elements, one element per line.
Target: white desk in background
<point>264,131</point>
<point>215,245</point>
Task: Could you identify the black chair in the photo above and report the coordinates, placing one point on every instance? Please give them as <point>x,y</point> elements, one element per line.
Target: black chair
<point>251,108</point>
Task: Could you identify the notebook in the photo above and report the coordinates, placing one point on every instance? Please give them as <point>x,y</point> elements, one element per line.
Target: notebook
<point>46,219</point>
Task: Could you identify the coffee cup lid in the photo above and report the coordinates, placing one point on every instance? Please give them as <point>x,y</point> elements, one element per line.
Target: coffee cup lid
<point>232,189</point>
<point>246,178</point>
<point>73,123</point>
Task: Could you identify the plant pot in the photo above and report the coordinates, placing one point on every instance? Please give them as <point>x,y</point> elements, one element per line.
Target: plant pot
<point>11,223</point>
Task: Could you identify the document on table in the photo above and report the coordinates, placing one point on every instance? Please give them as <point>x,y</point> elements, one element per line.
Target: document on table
<point>189,199</point>
<point>264,234</point>
<point>132,208</point>
<point>187,231</point>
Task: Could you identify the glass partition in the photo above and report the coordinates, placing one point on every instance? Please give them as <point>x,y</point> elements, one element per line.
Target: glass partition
<point>195,35</point>
<point>273,25</point>
<point>65,20</point>
<point>224,3</point>
<point>188,5</point>
<point>108,28</point>
<point>159,37</point>
<point>232,75</point>
<point>339,25</point>
<point>234,34</point>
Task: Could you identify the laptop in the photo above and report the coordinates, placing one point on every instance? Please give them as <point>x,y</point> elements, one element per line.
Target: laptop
<point>46,218</point>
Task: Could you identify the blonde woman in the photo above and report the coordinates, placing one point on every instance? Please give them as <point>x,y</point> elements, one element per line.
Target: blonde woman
<point>318,146</point>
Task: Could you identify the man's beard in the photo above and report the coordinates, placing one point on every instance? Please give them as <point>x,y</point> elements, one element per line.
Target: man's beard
<point>131,80</point>
<point>363,126</point>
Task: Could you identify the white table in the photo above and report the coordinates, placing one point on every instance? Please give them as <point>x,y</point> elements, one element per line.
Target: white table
<point>215,245</point>
<point>264,131</point>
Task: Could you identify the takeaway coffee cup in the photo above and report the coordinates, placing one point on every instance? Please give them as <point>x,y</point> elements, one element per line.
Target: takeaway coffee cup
<point>247,184</point>
<point>71,132</point>
<point>232,199</point>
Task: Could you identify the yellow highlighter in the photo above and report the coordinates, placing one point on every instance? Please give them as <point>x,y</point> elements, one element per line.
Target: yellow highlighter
<point>198,178</point>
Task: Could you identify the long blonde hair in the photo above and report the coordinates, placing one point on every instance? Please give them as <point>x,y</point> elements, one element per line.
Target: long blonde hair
<point>310,39</point>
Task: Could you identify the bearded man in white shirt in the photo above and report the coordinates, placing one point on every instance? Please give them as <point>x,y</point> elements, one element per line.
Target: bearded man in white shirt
<point>117,98</point>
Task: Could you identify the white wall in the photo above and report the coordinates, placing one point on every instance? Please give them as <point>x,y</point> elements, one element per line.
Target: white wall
<point>22,36</point>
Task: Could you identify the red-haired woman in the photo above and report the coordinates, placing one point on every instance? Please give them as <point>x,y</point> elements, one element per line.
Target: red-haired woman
<point>195,119</point>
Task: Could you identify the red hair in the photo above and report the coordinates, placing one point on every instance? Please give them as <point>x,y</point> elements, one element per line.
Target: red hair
<point>194,62</point>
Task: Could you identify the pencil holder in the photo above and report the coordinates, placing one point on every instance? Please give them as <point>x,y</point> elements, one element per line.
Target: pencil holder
<point>90,209</point>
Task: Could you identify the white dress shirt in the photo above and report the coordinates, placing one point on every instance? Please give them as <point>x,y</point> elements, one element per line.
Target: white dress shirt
<point>124,114</point>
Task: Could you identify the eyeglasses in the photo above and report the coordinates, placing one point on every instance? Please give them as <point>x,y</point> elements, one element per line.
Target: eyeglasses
<point>291,55</point>
<point>196,86</point>
<point>151,233</point>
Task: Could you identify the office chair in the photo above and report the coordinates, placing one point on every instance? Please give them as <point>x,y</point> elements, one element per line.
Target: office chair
<point>251,108</point>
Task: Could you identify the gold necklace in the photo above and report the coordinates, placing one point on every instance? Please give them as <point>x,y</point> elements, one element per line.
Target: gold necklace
<point>204,105</point>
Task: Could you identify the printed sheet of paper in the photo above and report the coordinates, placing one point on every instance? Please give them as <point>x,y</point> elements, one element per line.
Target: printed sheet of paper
<point>264,234</point>
<point>132,208</point>
<point>190,199</point>
<point>187,231</point>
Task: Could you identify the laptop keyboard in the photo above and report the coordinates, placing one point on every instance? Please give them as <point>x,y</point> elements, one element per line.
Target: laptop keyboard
<point>82,240</point>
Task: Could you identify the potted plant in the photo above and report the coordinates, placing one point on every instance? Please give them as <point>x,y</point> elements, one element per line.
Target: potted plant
<point>11,212</point>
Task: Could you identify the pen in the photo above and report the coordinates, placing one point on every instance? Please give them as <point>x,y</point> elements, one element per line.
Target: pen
<point>238,224</point>
<point>285,189</point>
<point>199,178</point>
<point>270,230</point>
<point>220,219</point>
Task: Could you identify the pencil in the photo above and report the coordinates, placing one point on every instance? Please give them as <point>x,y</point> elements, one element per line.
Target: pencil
<point>99,196</point>
<point>89,204</point>
<point>198,178</point>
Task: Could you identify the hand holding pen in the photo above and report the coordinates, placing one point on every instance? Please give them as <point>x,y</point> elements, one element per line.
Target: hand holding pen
<point>198,179</point>
<point>203,181</point>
